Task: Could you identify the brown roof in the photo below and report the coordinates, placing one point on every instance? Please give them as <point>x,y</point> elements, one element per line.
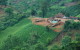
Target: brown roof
<point>51,18</point>
<point>59,15</point>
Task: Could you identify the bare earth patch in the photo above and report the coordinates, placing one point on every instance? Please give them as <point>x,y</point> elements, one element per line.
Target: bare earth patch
<point>44,22</point>
<point>58,28</point>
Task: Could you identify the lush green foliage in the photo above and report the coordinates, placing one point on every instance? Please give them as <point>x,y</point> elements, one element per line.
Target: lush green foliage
<point>3,2</point>
<point>71,25</point>
<point>13,29</point>
<point>66,40</point>
<point>10,18</point>
<point>55,47</point>
<point>45,8</point>
<point>77,37</point>
<point>72,11</point>
<point>27,31</point>
<point>72,46</point>
<point>17,33</point>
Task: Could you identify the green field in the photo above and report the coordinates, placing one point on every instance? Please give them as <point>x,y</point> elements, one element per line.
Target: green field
<point>14,29</point>
<point>25,28</point>
<point>78,15</point>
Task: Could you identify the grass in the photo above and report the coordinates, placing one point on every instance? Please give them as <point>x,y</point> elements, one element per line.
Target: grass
<point>25,28</point>
<point>31,29</point>
<point>14,29</point>
<point>78,15</point>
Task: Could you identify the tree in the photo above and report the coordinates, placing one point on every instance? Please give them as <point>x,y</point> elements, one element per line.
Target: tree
<point>33,39</point>
<point>77,36</point>
<point>55,47</point>
<point>44,7</point>
<point>47,28</point>
<point>3,2</point>
<point>40,47</point>
<point>66,40</point>
<point>9,10</point>
<point>75,0</point>
<point>72,46</point>
<point>66,25</point>
<point>11,42</point>
<point>33,12</point>
<point>66,13</point>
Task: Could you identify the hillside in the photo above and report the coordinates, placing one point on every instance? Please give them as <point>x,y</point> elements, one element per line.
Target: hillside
<point>39,25</point>
<point>24,29</point>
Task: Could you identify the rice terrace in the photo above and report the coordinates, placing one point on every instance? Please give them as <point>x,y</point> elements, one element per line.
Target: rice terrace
<point>39,24</point>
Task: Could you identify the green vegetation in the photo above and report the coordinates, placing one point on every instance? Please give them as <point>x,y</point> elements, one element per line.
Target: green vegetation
<point>17,32</point>
<point>55,47</point>
<point>28,30</point>
<point>12,30</point>
<point>78,15</point>
<point>10,18</point>
<point>45,8</point>
<point>3,2</point>
<point>71,25</point>
<point>66,40</point>
<point>72,11</point>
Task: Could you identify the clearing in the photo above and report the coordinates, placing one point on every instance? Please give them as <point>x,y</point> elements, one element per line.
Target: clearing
<point>44,22</point>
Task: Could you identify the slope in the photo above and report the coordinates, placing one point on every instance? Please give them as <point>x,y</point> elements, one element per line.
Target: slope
<point>24,29</point>
<point>12,30</point>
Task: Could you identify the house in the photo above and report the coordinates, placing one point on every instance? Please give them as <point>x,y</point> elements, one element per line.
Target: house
<point>65,17</point>
<point>51,18</point>
<point>59,15</point>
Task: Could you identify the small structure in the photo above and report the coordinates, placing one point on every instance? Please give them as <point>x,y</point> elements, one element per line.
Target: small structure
<point>54,20</point>
<point>51,18</point>
<point>65,17</point>
<point>59,15</point>
<point>59,19</point>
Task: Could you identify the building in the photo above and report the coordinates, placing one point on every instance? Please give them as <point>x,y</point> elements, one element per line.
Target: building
<point>59,15</point>
<point>51,18</point>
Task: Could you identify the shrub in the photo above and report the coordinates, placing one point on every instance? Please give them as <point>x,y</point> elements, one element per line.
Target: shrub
<point>66,40</point>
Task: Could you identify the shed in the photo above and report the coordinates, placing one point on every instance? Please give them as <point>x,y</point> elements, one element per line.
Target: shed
<point>51,18</point>
<point>59,15</point>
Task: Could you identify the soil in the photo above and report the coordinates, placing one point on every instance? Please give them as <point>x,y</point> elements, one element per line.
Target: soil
<point>42,23</point>
<point>46,23</point>
<point>58,28</point>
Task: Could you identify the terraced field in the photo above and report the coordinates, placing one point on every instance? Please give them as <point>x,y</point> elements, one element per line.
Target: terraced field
<point>25,28</point>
